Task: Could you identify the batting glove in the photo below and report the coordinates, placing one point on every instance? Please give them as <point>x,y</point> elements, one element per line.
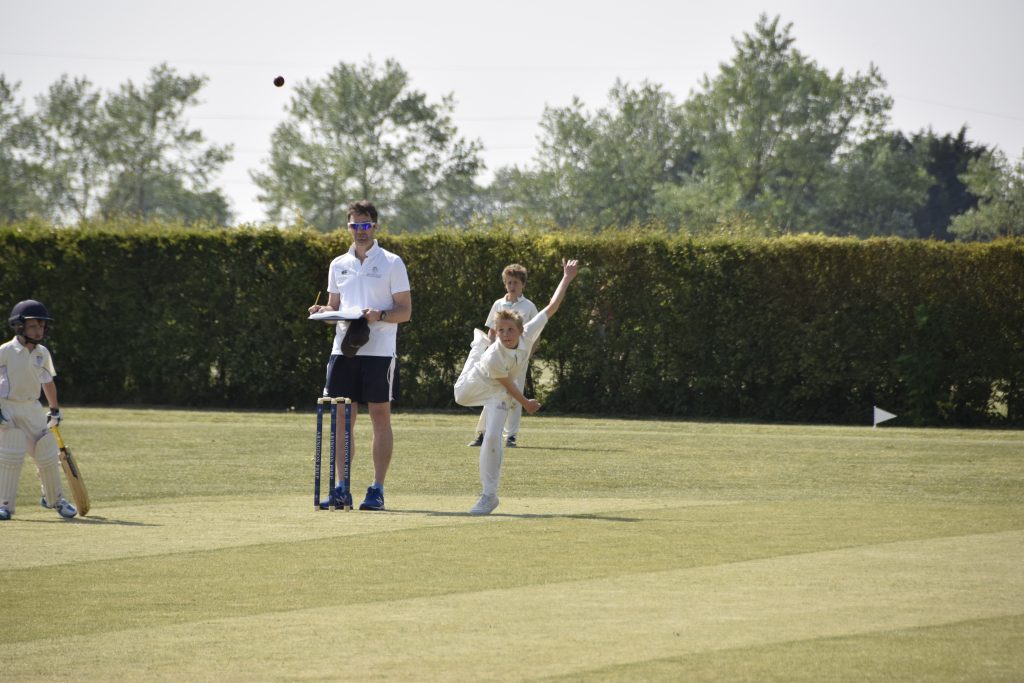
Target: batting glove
<point>53,418</point>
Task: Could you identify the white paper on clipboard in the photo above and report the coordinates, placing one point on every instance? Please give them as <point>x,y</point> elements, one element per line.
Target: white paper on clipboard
<point>350,313</point>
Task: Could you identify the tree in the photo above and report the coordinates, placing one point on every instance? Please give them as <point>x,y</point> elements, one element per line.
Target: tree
<point>947,159</point>
<point>877,187</point>
<point>159,168</point>
<point>603,169</point>
<point>363,133</point>
<point>19,175</point>
<point>700,206</point>
<point>72,132</point>
<point>1000,189</point>
<point>772,124</point>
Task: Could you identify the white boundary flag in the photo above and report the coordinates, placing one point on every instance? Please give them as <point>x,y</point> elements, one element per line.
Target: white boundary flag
<point>881,416</point>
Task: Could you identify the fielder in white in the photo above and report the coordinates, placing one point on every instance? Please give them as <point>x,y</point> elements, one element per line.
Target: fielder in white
<point>513,276</point>
<point>488,380</point>
<point>26,368</point>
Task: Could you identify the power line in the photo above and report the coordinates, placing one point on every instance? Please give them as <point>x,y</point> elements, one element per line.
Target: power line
<point>473,119</point>
<point>448,68</point>
<point>946,105</point>
<point>310,65</point>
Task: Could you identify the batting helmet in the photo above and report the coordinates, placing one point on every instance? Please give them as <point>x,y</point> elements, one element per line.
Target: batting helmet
<point>30,309</point>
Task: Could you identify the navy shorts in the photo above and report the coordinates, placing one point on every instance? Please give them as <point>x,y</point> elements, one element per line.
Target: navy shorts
<point>364,379</point>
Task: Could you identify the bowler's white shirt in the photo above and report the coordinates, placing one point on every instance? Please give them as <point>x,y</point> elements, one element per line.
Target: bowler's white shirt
<point>370,284</point>
<point>497,361</point>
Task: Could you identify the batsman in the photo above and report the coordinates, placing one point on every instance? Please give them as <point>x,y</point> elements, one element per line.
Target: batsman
<point>26,368</point>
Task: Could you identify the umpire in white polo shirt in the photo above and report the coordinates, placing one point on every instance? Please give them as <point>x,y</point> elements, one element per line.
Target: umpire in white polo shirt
<point>363,367</point>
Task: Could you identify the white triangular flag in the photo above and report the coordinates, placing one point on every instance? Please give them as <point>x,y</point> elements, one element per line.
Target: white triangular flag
<point>881,416</point>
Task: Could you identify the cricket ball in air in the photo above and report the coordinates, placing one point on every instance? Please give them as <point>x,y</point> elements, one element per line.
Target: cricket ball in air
<point>279,81</point>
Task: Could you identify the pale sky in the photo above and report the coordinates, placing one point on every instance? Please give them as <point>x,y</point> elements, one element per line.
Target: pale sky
<point>947,63</point>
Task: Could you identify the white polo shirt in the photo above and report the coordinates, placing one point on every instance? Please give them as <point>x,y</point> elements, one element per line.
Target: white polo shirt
<point>370,284</point>
<point>22,372</point>
<point>522,306</point>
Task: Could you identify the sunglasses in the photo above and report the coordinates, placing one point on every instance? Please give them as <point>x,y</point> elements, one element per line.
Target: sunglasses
<point>361,226</point>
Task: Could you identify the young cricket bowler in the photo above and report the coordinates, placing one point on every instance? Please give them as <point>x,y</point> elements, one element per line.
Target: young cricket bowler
<point>488,380</point>
<point>26,368</point>
<point>513,276</point>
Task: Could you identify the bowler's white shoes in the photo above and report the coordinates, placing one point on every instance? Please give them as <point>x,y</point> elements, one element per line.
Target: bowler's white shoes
<point>485,505</point>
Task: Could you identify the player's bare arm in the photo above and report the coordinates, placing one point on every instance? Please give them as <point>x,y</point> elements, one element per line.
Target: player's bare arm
<point>333,304</point>
<point>50,392</point>
<point>570,269</point>
<point>401,312</point>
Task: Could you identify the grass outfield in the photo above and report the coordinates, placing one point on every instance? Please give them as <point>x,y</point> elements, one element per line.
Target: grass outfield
<point>622,550</point>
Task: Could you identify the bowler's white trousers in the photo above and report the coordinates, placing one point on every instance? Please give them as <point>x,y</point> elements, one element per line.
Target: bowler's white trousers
<point>471,389</point>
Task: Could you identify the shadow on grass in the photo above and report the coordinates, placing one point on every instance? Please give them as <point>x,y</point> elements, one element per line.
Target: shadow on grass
<point>91,519</point>
<point>568,448</point>
<point>524,515</point>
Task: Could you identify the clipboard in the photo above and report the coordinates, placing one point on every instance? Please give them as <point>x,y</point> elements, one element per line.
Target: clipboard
<point>337,316</point>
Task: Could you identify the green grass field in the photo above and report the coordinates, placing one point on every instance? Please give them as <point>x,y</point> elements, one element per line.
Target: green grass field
<point>623,550</point>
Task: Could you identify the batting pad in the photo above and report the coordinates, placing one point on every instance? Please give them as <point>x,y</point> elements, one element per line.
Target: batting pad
<point>46,451</point>
<point>13,443</point>
<point>47,457</point>
<point>12,455</point>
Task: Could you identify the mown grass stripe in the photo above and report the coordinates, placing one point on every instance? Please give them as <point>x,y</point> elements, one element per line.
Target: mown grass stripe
<point>531,631</point>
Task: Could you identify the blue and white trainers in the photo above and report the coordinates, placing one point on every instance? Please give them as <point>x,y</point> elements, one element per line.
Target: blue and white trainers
<point>374,499</point>
<point>63,507</point>
<point>485,505</point>
<point>342,498</point>
<point>5,514</point>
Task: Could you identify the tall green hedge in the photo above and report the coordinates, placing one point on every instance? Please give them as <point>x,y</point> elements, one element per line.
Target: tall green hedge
<point>804,328</point>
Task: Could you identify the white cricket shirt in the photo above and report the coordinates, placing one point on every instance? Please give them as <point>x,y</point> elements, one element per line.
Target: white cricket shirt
<point>497,362</point>
<point>523,307</point>
<point>22,372</point>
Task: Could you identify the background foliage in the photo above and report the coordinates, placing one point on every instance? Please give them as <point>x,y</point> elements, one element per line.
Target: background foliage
<point>794,328</point>
<point>772,141</point>
<point>364,132</point>
<point>84,154</point>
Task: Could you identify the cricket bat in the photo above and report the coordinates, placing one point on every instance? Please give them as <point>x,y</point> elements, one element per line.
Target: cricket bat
<point>74,476</point>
